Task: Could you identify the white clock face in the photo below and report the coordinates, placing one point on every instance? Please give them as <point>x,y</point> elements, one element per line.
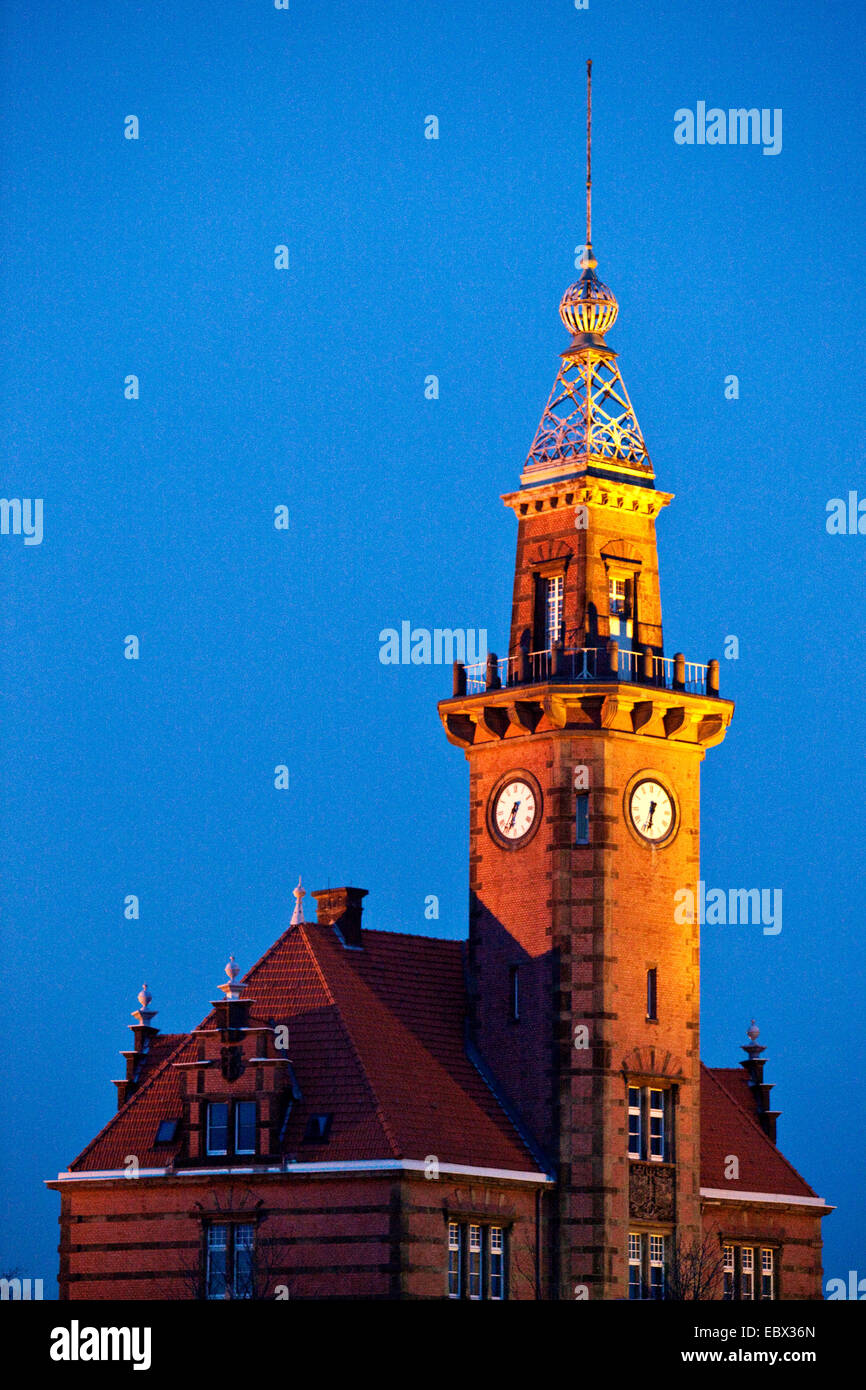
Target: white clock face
<point>515,810</point>
<point>652,811</point>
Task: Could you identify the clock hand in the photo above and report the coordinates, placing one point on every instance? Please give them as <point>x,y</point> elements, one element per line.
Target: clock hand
<point>514,810</point>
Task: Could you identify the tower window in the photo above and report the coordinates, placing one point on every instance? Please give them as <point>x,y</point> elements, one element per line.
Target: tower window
<point>617,590</point>
<point>647,1273</point>
<point>552,593</point>
<point>652,993</point>
<point>650,1124</point>
<point>581,819</point>
<point>514,992</point>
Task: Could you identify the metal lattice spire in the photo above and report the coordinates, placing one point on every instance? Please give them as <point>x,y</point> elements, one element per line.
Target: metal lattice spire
<point>589,417</point>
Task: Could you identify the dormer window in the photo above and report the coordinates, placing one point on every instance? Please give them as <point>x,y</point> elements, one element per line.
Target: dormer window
<point>217,1128</point>
<point>245,1127</point>
<point>318,1129</point>
<point>234,1121</point>
<point>167,1131</point>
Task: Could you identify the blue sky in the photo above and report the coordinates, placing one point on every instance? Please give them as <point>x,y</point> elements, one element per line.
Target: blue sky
<point>305,388</point>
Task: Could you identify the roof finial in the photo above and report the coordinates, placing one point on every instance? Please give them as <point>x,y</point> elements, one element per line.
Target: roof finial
<point>588,153</point>
<point>231,990</point>
<point>144,1013</point>
<point>298,894</point>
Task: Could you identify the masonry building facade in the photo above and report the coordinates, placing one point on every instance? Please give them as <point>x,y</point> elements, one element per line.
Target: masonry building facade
<point>523,1115</point>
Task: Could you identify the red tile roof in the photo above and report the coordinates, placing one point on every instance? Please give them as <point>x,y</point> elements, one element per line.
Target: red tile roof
<point>729,1126</point>
<point>375,1039</point>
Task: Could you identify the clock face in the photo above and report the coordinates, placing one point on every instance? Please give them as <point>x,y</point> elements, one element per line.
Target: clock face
<point>652,811</point>
<point>514,810</point>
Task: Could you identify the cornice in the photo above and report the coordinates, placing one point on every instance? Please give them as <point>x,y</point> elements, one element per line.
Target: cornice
<point>671,716</point>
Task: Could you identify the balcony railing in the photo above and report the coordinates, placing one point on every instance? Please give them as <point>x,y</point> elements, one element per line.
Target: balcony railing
<point>575,665</point>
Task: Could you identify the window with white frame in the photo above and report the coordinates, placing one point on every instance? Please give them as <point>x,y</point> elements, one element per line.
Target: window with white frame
<point>741,1264</point>
<point>477,1268</point>
<point>553,589</point>
<point>455,1268</point>
<point>497,1264</point>
<point>235,1122</point>
<point>229,1260</point>
<point>650,1123</point>
<point>647,1266</point>
<point>617,590</point>
<point>768,1272</point>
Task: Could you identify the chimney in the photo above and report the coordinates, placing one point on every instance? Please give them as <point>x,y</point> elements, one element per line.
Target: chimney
<point>341,908</point>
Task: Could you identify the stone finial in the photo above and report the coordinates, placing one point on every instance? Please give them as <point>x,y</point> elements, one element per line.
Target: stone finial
<point>753,1032</point>
<point>298,894</point>
<point>231,990</point>
<point>143,1014</point>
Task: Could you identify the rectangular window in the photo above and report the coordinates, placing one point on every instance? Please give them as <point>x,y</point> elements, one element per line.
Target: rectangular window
<point>553,592</point>
<point>581,819</point>
<point>474,1261</point>
<point>217,1256</point>
<point>650,1123</point>
<point>454,1259</point>
<point>514,993</point>
<point>497,1263</point>
<point>652,994</point>
<point>657,1126</point>
<point>229,1271</point>
<point>657,1266</point>
<point>646,1265</point>
<point>217,1128</point>
<point>635,1123</point>
<point>245,1127</point>
<point>242,1286</point>
<point>740,1269</point>
<point>747,1272</point>
<point>767,1274</point>
<point>618,595</point>
<point>634,1256</point>
<point>477,1267</point>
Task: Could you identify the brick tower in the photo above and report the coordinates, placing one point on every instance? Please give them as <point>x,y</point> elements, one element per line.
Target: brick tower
<point>584,747</point>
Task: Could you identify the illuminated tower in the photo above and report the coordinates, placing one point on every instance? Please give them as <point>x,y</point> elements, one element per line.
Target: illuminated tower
<point>584,747</point>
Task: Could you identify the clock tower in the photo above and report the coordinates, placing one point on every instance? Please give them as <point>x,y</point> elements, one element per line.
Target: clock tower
<point>584,747</point>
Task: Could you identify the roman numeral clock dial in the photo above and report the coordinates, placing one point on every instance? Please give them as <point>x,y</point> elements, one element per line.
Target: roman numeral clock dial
<point>651,810</point>
<point>514,810</point>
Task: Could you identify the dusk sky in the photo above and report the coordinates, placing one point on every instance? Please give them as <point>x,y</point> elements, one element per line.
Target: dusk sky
<point>305,387</point>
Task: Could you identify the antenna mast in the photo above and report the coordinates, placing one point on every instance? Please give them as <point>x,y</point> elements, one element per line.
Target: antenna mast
<point>589,151</point>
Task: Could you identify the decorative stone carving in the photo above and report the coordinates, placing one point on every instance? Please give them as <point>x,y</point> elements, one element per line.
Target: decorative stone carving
<point>652,1191</point>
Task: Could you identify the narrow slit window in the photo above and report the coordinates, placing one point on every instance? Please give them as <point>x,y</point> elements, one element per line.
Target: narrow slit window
<point>514,993</point>
<point>652,1010</point>
<point>581,819</point>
